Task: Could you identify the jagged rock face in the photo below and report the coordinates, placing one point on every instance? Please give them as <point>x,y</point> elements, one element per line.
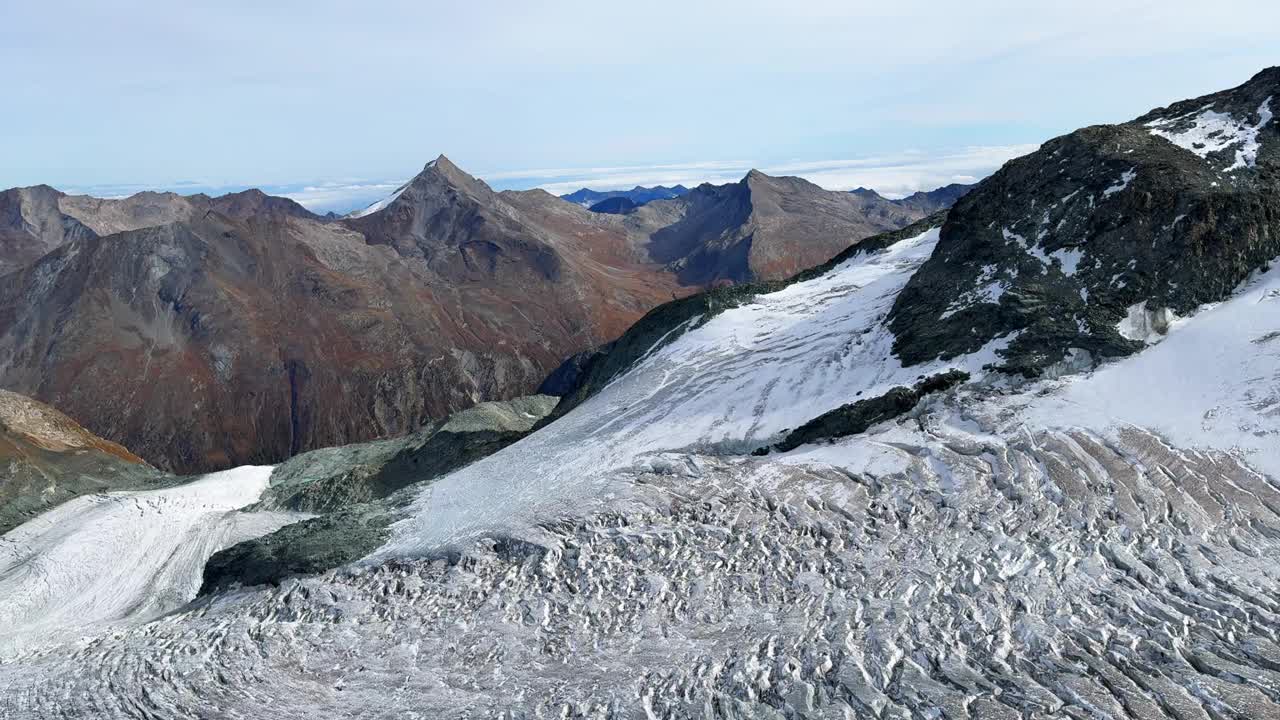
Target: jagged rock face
<point>31,225</point>
<point>36,220</point>
<point>46,458</point>
<point>578,272</point>
<point>766,228</point>
<point>1173,209</point>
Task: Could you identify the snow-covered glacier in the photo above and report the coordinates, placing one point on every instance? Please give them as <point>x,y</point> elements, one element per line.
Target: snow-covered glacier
<point>114,560</point>
<point>1090,545</point>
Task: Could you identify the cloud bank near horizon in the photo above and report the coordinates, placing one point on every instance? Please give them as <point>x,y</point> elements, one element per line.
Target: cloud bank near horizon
<point>890,175</point>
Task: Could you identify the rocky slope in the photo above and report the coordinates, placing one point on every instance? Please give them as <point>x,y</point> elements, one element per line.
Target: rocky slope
<point>763,228</point>
<point>36,220</point>
<point>1097,541</point>
<point>46,459</point>
<point>32,224</point>
<point>925,201</point>
<point>359,490</point>
<point>1160,214</point>
<point>216,342</point>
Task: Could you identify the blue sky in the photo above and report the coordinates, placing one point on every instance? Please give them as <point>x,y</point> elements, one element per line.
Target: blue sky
<point>335,101</point>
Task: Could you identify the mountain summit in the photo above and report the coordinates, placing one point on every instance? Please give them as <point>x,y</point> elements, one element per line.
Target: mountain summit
<point>765,227</point>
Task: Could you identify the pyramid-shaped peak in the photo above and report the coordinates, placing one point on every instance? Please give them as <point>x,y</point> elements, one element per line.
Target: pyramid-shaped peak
<point>441,162</point>
<point>443,168</point>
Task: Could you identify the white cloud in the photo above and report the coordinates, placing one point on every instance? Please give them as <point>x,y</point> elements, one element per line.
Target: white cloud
<point>341,197</point>
<point>890,175</point>
<point>905,174</point>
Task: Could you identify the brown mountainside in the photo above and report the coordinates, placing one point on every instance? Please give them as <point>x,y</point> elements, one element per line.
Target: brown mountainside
<point>209,332</point>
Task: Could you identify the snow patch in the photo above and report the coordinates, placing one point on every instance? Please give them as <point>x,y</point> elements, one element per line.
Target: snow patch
<point>1068,259</point>
<point>989,290</point>
<point>1125,178</point>
<point>1032,250</point>
<point>1212,131</point>
<point>384,202</point>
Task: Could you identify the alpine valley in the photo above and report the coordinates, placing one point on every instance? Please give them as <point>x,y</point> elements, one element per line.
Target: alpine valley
<point>755,450</point>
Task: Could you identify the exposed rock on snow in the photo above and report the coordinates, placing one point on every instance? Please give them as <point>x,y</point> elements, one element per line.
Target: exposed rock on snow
<point>1209,131</point>
<point>1060,243</point>
<point>363,489</point>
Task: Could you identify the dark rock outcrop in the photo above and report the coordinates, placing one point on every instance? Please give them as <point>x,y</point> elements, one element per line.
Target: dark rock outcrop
<point>1058,246</point>
<point>856,417</point>
<point>362,489</point>
<point>332,478</point>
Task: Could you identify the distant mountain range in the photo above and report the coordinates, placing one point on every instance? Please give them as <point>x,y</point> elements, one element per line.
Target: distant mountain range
<point>926,202</point>
<point>762,227</point>
<point>245,329</point>
<point>637,195</point>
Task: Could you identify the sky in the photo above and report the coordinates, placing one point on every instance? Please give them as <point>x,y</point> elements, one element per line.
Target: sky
<point>336,103</point>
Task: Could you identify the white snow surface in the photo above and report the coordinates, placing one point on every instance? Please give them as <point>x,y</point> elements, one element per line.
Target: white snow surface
<point>381,204</point>
<point>1212,131</point>
<point>737,382</point>
<point>121,558</point>
<point>1213,382</point>
<point>1125,178</point>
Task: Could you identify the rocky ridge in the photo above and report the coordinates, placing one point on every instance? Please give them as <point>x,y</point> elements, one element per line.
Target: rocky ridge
<point>46,459</point>
<point>1168,212</point>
